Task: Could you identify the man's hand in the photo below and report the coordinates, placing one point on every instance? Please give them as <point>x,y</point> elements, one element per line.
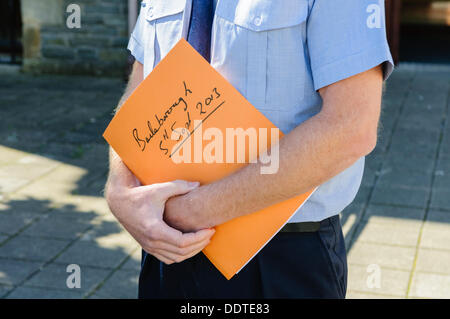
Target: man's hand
<point>140,210</point>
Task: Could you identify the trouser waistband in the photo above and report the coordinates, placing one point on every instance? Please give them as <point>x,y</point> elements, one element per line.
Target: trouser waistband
<point>305,227</point>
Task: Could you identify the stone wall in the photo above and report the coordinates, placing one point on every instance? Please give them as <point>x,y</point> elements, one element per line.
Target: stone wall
<point>98,47</point>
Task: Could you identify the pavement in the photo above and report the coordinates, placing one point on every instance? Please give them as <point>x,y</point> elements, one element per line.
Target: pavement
<point>53,166</point>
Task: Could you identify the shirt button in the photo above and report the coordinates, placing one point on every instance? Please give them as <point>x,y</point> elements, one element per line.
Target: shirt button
<point>257,21</point>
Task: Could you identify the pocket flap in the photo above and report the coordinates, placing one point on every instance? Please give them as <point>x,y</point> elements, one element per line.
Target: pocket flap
<point>263,15</point>
<point>156,9</point>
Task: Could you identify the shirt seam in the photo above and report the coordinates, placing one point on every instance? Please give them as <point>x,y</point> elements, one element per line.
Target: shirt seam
<point>350,56</point>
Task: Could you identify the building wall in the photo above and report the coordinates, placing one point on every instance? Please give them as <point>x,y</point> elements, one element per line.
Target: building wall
<point>98,47</point>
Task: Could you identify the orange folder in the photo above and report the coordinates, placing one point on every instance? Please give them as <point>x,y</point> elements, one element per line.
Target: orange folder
<point>160,132</point>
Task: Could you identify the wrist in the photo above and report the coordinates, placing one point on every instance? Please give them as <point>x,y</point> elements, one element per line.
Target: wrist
<point>200,216</point>
<point>183,213</point>
<point>114,189</point>
<point>196,214</point>
<point>110,188</point>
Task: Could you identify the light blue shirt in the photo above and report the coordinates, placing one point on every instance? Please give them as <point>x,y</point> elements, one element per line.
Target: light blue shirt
<point>278,54</point>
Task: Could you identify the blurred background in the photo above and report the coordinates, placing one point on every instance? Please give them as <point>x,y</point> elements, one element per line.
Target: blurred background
<point>58,87</point>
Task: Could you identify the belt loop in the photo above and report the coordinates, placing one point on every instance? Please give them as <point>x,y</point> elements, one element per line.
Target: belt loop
<point>306,227</point>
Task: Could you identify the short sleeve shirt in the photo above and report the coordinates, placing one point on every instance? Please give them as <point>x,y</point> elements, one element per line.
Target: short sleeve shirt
<point>278,54</point>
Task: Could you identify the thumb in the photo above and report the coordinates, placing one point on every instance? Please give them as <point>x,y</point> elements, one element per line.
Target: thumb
<point>170,189</point>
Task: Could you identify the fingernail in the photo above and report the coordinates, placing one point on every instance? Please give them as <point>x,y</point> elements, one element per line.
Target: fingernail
<point>193,184</point>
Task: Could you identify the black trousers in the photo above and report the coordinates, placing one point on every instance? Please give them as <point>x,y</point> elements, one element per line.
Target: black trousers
<point>291,265</point>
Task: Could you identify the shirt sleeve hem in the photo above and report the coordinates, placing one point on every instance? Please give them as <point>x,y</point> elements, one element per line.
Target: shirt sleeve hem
<point>352,65</point>
<point>136,49</point>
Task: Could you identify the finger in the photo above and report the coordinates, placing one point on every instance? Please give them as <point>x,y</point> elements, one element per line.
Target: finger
<point>162,258</point>
<point>181,257</point>
<point>162,246</point>
<point>177,258</point>
<point>170,256</point>
<point>169,189</point>
<point>196,251</point>
<point>175,237</point>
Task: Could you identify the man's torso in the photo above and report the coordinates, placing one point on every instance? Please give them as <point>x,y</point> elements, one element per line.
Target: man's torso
<point>261,48</point>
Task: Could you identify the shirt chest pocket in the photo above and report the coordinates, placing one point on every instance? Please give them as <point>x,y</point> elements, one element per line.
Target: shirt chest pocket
<point>164,27</point>
<point>267,37</point>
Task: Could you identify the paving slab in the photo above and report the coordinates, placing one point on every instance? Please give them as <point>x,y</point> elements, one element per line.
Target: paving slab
<point>62,226</point>
<point>105,226</point>
<point>123,284</point>
<point>43,293</point>
<point>445,147</point>
<point>3,238</point>
<point>415,141</point>
<point>28,248</point>
<point>59,183</point>
<point>392,214</point>
<point>350,219</point>
<point>12,222</point>
<point>96,186</point>
<point>107,252</point>
<point>394,257</point>
<point>433,261</point>
<point>442,172</point>
<point>406,171</point>
<point>4,289</point>
<point>417,121</point>
<point>398,233</point>
<point>11,184</point>
<point>440,198</point>
<point>13,272</point>
<point>81,204</point>
<point>404,177</point>
<point>436,231</point>
<point>134,261</point>
<point>400,195</point>
<point>363,295</point>
<point>392,282</point>
<point>10,155</point>
<point>425,285</point>
<point>19,204</point>
<point>26,170</point>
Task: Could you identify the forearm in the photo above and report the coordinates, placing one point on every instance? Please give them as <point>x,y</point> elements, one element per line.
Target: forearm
<point>311,154</point>
<point>118,172</point>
